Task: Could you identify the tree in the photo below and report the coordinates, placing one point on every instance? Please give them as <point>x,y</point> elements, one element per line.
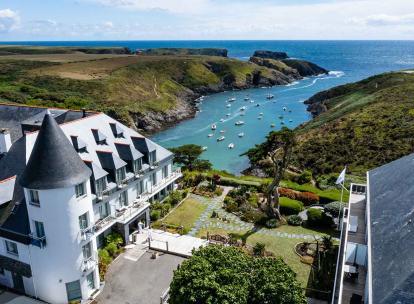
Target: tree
<point>188,157</point>
<point>277,149</point>
<point>217,274</point>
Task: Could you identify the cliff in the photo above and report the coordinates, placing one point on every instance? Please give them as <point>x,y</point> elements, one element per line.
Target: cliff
<point>186,51</point>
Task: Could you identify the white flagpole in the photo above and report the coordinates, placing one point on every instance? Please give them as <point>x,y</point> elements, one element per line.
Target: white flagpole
<point>340,204</point>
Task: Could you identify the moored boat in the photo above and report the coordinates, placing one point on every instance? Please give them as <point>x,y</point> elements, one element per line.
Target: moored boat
<point>240,134</point>
<point>221,138</point>
<point>270,96</point>
<point>239,123</point>
<point>213,127</point>
<point>231,146</point>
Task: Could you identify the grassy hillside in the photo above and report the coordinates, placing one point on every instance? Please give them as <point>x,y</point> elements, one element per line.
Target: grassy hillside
<point>148,91</point>
<point>362,125</point>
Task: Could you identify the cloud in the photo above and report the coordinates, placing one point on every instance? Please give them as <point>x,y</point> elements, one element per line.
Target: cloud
<point>385,20</point>
<point>9,20</point>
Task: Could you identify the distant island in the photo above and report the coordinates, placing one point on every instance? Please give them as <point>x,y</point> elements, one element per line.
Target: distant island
<point>149,89</point>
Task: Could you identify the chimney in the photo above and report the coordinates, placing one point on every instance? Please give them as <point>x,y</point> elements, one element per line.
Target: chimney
<point>5,140</point>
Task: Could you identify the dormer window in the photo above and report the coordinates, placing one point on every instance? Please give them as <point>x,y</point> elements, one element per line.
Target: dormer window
<point>152,157</point>
<point>100,138</point>
<point>78,144</point>
<point>120,175</point>
<point>137,165</point>
<point>34,197</point>
<point>100,185</point>
<point>80,190</point>
<point>117,130</point>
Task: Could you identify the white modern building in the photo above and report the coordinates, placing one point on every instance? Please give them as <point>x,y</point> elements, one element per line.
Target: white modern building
<point>376,258</point>
<point>68,179</point>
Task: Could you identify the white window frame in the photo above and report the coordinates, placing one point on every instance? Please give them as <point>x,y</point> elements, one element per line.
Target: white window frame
<point>123,196</point>
<point>84,219</point>
<point>87,248</point>
<point>88,282</point>
<point>34,198</point>
<point>35,224</point>
<point>7,243</point>
<point>82,187</point>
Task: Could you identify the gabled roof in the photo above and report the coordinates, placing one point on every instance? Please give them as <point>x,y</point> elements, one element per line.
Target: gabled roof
<point>116,129</point>
<point>97,171</point>
<point>391,215</point>
<point>78,143</point>
<point>99,136</point>
<point>143,144</point>
<point>126,152</point>
<point>53,162</point>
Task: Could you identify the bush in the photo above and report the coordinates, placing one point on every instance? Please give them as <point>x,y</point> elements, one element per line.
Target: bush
<point>115,238</point>
<point>112,249</point>
<point>254,216</point>
<point>230,204</point>
<point>218,191</point>
<point>294,220</point>
<point>155,215</point>
<point>104,256</point>
<point>304,178</point>
<point>307,198</point>
<point>289,206</point>
<point>272,223</point>
<point>334,208</point>
<point>165,209</point>
<point>175,197</point>
<point>259,249</point>
<point>318,218</point>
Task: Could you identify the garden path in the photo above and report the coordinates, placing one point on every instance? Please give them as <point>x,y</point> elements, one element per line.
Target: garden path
<point>232,222</point>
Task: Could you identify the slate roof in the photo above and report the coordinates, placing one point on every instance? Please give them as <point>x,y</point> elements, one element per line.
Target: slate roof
<point>128,152</point>
<point>97,171</point>
<point>391,203</point>
<point>53,162</point>
<point>110,161</point>
<point>144,144</point>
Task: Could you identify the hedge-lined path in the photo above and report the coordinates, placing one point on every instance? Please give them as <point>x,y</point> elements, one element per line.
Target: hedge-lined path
<point>232,222</point>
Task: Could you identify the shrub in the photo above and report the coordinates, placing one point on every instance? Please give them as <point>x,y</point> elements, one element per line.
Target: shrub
<point>230,204</point>
<point>175,197</point>
<point>289,206</point>
<point>155,215</point>
<point>112,249</point>
<point>304,178</point>
<point>334,208</point>
<point>218,191</point>
<point>294,220</point>
<point>104,256</point>
<point>214,214</point>
<point>254,200</point>
<point>272,223</point>
<point>254,216</point>
<point>114,238</point>
<point>165,209</point>
<point>318,218</point>
<point>184,194</point>
<point>307,198</point>
<point>259,249</point>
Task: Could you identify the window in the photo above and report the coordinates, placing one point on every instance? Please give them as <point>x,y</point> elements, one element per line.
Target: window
<point>100,185</point>
<point>80,190</point>
<point>104,210</point>
<point>34,197</point>
<point>137,165</point>
<point>140,187</point>
<point>90,279</point>
<point>40,229</point>
<point>152,157</point>
<point>120,175</point>
<point>165,172</point>
<point>87,251</point>
<point>154,178</point>
<point>83,221</point>
<point>11,247</point>
<point>123,199</point>
<point>73,290</point>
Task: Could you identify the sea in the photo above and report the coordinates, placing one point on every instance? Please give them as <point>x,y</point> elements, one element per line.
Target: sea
<point>347,61</point>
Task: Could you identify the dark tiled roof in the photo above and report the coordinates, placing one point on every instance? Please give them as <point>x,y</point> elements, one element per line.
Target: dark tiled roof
<point>78,143</point>
<point>99,136</point>
<point>97,171</point>
<point>143,144</point>
<point>126,152</point>
<point>391,190</point>
<point>110,161</point>
<point>116,129</point>
<point>53,162</point>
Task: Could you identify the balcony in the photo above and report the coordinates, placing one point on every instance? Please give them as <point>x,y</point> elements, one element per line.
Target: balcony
<point>90,262</point>
<point>166,181</point>
<point>87,233</point>
<point>38,241</point>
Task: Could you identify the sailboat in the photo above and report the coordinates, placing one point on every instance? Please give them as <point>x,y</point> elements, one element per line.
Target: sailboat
<point>240,134</point>
<point>231,146</point>
<point>213,127</point>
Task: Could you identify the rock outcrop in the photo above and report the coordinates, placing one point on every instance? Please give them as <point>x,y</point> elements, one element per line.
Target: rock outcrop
<point>305,68</point>
<point>270,55</point>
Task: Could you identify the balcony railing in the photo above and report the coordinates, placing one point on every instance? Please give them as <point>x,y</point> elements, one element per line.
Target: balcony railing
<point>87,233</point>
<point>90,262</point>
<point>173,176</point>
<point>38,241</point>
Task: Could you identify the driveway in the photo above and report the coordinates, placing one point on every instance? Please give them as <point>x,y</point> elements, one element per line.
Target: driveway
<point>142,281</point>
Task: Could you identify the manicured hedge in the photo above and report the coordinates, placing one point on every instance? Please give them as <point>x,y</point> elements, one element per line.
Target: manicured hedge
<point>289,206</point>
<point>307,198</point>
<point>318,218</point>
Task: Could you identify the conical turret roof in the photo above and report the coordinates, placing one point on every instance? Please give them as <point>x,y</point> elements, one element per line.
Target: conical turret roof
<point>53,162</point>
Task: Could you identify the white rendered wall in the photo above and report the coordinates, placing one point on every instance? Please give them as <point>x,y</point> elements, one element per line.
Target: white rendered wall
<point>61,260</point>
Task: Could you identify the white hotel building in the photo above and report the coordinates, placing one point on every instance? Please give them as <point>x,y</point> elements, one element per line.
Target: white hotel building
<point>67,179</point>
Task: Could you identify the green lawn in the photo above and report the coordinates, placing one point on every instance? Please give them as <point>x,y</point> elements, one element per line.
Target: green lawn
<point>283,247</point>
<point>186,214</point>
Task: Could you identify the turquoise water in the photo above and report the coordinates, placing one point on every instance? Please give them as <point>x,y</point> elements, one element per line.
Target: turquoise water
<point>352,61</point>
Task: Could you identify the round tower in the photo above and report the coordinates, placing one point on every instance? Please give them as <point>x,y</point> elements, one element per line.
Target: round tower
<point>56,184</point>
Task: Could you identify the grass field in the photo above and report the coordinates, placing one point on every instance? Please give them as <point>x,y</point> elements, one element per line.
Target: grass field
<point>186,214</point>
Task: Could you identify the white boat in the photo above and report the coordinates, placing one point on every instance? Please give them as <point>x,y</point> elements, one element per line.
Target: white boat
<point>210,135</point>
<point>290,120</point>
<point>261,113</point>
<point>252,101</point>
<point>246,98</point>
<point>282,123</point>
<point>240,134</point>
<point>222,131</point>
<point>269,96</point>
<point>204,148</point>
<point>242,108</point>
<point>228,114</point>
<point>257,105</point>
<point>231,146</point>
<point>228,106</point>
<point>272,125</point>
<point>259,117</point>
<point>239,123</point>
<point>221,138</point>
<point>284,108</point>
<point>213,127</point>
<point>231,99</point>
<point>222,120</point>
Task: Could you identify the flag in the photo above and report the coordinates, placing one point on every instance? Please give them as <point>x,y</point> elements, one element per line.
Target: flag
<point>341,177</point>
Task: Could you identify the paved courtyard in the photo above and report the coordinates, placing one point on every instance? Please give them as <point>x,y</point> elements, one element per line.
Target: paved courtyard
<point>138,281</point>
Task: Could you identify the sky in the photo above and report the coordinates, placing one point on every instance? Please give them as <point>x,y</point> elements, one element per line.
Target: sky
<point>40,20</point>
